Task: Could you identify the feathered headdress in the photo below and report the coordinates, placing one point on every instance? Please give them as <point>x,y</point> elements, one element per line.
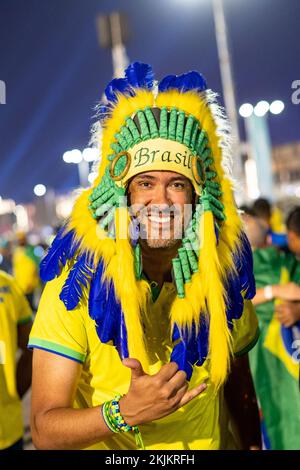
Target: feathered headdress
<point>179,116</point>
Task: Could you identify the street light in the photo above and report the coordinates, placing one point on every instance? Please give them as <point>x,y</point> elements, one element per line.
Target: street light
<point>276,107</point>
<point>261,108</point>
<point>82,160</point>
<point>40,190</point>
<point>258,136</point>
<point>246,110</point>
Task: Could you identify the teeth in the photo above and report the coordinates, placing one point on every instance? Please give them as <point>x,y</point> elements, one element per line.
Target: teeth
<point>158,220</point>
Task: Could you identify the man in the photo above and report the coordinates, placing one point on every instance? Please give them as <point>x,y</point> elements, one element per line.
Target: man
<point>134,337</point>
<point>275,359</point>
<point>15,380</point>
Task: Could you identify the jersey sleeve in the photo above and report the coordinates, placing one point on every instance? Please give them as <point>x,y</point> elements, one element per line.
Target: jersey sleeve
<point>245,331</point>
<point>56,329</point>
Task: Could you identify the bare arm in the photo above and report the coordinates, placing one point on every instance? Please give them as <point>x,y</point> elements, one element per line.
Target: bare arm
<point>289,291</point>
<point>24,366</point>
<point>241,400</point>
<point>56,425</point>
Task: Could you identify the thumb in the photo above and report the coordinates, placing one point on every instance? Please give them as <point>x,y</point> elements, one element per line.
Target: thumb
<point>135,366</point>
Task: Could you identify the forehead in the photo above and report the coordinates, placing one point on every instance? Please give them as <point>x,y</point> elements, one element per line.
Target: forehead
<point>160,176</point>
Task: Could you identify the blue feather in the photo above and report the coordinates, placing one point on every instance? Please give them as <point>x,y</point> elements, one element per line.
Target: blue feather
<point>115,86</point>
<point>78,277</point>
<point>191,349</point>
<point>187,81</point>
<point>167,83</point>
<point>191,81</point>
<point>107,313</point>
<point>104,112</point>
<point>243,281</point>
<point>140,75</point>
<point>63,248</point>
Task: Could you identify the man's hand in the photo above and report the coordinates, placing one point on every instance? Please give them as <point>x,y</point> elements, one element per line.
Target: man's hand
<point>289,291</point>
<point>151,397</point>
<point>288,313</point>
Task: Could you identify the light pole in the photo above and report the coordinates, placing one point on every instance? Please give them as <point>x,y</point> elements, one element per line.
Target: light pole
<point>259,165</point>
<point>113,33</point>
<point>228,86</point>
<point>82,160</point>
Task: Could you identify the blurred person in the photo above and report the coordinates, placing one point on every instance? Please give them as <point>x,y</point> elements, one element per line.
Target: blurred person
<point>263,210</point>
<point>271,216</point>
<point>293,232</point>
<point>5,256</point>
<point>275,359</point>
<point>134,340</point>
<point>26,267</point>
<point>15,378</point>
<point>256,230</point>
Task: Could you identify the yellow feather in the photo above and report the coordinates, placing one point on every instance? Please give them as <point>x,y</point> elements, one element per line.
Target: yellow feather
<point>125,107</point>
<point>212,283</point>
<point>121,270</point>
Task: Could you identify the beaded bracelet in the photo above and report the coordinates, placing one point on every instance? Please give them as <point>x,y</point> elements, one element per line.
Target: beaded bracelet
<point>115,422</point>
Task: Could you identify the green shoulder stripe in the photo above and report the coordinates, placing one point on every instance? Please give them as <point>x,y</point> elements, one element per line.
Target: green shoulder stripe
<point>56,348</point>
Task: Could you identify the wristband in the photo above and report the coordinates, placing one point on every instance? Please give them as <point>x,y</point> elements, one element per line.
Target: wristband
<point>115,422</point>
<point>268,293</point>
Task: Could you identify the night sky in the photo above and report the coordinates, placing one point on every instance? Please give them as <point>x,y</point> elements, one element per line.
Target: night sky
<point>55,71</point>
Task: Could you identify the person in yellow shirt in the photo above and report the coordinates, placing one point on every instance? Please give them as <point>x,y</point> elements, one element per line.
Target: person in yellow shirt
<point>147,312</point>
<point>26,267</point>
<point>15,378</point>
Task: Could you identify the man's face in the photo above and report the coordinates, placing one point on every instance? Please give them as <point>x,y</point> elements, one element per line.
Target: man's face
<point>294,242</point>
<point>162,202</point>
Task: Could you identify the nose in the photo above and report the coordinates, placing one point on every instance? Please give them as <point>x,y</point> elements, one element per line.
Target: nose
<point>161,197</point>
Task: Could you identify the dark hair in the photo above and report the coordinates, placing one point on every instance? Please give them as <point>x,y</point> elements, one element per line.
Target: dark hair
<point>293,221</point>
<point>247,210</point>
<point>262,208</point>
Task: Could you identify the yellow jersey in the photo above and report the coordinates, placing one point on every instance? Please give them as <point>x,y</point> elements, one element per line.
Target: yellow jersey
<point>25,270</point>
<point>72,334</point>
<point>14,310</point>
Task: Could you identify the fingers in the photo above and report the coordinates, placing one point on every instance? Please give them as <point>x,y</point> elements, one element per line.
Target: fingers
<point>135,366</point>
<point>177,382</point>
<point>167,371</point>
<point>191,394</point>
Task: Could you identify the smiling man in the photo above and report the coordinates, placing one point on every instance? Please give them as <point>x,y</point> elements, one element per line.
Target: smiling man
<point>146,313</point>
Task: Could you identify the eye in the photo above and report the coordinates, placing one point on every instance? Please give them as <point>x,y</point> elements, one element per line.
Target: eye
<point>144,184</point>
<point>178,185</point>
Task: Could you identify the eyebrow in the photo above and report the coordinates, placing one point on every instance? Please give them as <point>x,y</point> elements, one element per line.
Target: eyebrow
<point>153,178</point>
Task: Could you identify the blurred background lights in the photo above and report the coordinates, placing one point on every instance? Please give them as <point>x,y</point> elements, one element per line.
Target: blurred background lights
<point>76,156</point>
<point>246,110</point>
<point>276,107</point>
<point>261,108</point>
<point>90,154</point>
<point>92,176</point>
<point>67,157</point>
<point>39,190</point>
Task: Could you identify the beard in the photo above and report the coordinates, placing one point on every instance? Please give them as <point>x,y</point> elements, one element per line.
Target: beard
<point>158,236</point>
<point>161,226</point>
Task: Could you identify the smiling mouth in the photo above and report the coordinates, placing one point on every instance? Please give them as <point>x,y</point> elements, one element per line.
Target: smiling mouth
<point>166,219</point>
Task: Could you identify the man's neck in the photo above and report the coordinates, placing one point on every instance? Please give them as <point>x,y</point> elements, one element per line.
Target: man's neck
<point>157,262</point>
